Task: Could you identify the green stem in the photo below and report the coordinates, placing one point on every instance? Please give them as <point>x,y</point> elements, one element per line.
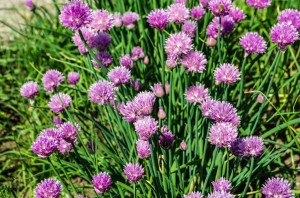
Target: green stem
<point>242,82</point>
<point>68,178</point>
<point>161,37</point>
<point>134,189</point>
<point>210,169</point>
<point>219,44</point>
<point>249,177</point>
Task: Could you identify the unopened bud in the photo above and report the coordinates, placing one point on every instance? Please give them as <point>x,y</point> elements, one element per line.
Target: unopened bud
<point>161,113</point>
<point>183,145</point>
<point>260,98</point>
<point>210,42</point>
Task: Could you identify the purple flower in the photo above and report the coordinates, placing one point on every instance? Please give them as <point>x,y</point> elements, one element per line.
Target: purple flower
<point>101,92</point>
<point>260,98</point>
<point>196,94</point>
<point>105,58</point>
<point>237,14</point>
<point>222,185</point>
<point>237,147</point>
<point>101,182</point>
<point>167,87</point>
<point>222,134</point>
<point>220,7</point>
<point>193,195</point>
<point>161,113</point>
<point>59,102</point>
<point>75,15</point>
<point>172,61</point>
<point>220,194</point>
<point>64,146</point>
<point>130,19</point>
<point>204,3</point>
<point>129,111</point>
<point>133,172</point>
<point>194,61</point>
<point>144,102</point>
<point>226,73</point>
<point>166,139</point>
<point>89,37</point>
<point>102,41</point>
<point>52,79</point>
<point>207,106</point>
<point>126,61</point>
<point>178,43</point>
<point>102,20</point>
<point>48,188</point>
<point>180,1</point>
<point>222,111</point>
<point>253,146</point>
<point>283,34</point>
<point>183,146</point>
<point>146,127</point>
<point>259,4</point>
<point>158,19</point>
<point>277,187</point>
<point>68,132</point>
<point>143,149</point>
<point>178,13</point>
<point>117,19</point>
<point>253,43</point>
<point>51,133</point>
<point>291,17</point>
<point>227,26</point>
<point>137,85</point>
<point>189,27</point>
<point>29,4</point>
<point>73,78</point>
<point>158,90</point>
<point>119,75</point>
<point>197,13</point>
<point>57,121</point>
<point>44,146</point>
<point>29,89</point>
<point>136,53</point>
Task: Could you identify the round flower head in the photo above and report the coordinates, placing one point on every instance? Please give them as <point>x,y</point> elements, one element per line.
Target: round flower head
<point>137,85</point>
<point>222,134</point>
<point>136,53</point>
<point>126,61</point>
<point>277,187</point>
<point>222,185</point>
<point>117,19</point>
<point>73,78</point>
<point>52,79</point>
<point>226,73</point>
<point>253,43</point>
<point>197,13</point>
<point>146,127</point>
<point>206,107</point>
<point>194,61</point>
<point>29,4</point>
<point>193,195</point>
<point>291,17</point>
<point>144,102</point>
<point>220,194</point>
<point>57,121</point>
<point>102,41</point>
<point>143,149</point>
<point>227,26</point>
<point>237,147</point>
<point>204,3</point>
<point>196,94</point>
<point>51,133</point>
<point>68,132</point>
<point>180,1</point>
<point>129,111</point>
<point>75,15</point>
<point>183,145</point>
<point>102,20</point>
<point>59,102</point>
<point>178,43</point>
<point>48,188</point>
<point>172,61</point>
<point>222,111</point>
<point>89,37</point>
<point>158,90</point>
<point>259,4</point>
<point>29,89</point>
<point>101,182</point>
<point>101,92</point>
<point>105,58</point>
<point>237,14</point>
<point>166,139</point>
<point>133,172</point>
<point>158,19</point>
<point>44,146</point>
<point>253,146</point>
<point>220,7</point>
<point>177,13</point>
<point>210,42</point>
<point>64,146</point>
<point>284,34</point>
<point>130,19</point>
<point>119,75</point>
<point>189,27</point>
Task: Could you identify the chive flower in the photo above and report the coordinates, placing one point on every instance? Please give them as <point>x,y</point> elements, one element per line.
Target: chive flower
<point>193,195</point>
<point>197,13</point>
<point>73,78</point>
<point>291,17</point>
<point>220,7</point>
<point>222,134</point>
<point>129,19</point>
<point>133,172</point>
<point>178,13</point>
<point>119,75</point>
<point>102,20</point>
<point>143,149</point>
<point>196,94</point>
<point>29,89</point>
<point>237,14</point>
<point>101,92</point>
<point>277,187</point>
<point>226,73</point>
<point>284,34</point>
<point>146,127</point>
<point>178,43</point>
<point>194,61</point>
<point>59,102</point>
<point>126,61</point>
<point>158,19</point>
<point>48,188</point>
<point>253,43</point>
<point>51,80</point>
<point>221,185</point>
<point>259,4</point>
<point>101,182</point>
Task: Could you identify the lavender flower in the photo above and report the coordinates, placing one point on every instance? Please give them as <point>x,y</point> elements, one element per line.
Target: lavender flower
<point>197,13</point>
<point>75,15</point>
<point>183,146</point>
<point>227,26</point>
<point>180,1</point>
<point>161,113</point>
<point>237,147</point>
<point>44,146</point>
<point>144,102</point>
<point>29,89</point>
<point>166,139</point>
<point>119,75</point>
<point>204,3</point>
<point>89,37</point>
<point>126,61</point>
<point>259,4</point>
<point>189,27</point>
<point>68,132</point>
<point>220,194</point>
<point>158,19</point>
<point>193,195</point>
<point>130,111</point>
<point>178,43</point>
<point>226,73</point>
<point>196,94</point>
<point>220,7</point>
<point>222,134</point>
<point>253,146</point>
<point>64,146</point>
<point>146,127</point>
<point>48,188</point>
<point>237,14</point>
<point>105,58</point>
<point>102,20</point>
<point>253,43</point>
<point>101,182</point>
<point>137,85</point>
<point>117,19</point>
<point>130,19</point>
<point>57,121</point>
<point>73,78</point>
<point>29,4</point>
<point>277,187</point>
<point>284,34</point>
<point>178,13</point>
<point>291,17</point>
<point>52,79</point>
<point>207,106</point>
<point>59,102</point>
<point>133,172</point>
<point>221,185</point>
<point>102,41</point>
<point>172,61</point>
<point>222,111</point>
<point>194,61</point>
<point>101,92</point>
<point>143,149</point>
<point>158,90</point>
<point>137,53</point>
<point>51,133</point>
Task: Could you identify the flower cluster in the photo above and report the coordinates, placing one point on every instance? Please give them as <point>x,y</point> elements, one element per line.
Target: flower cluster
<point>133,172</point>
<point>277,187</point>
<point>221,189</point>
<point>101,182</point>
<point>48,188</point>
<point>226,73</point>
<point>247,147</point>
<point>102,92</point>
<point>29,89</point>
<point>196,94</point>
<point>253,43</point>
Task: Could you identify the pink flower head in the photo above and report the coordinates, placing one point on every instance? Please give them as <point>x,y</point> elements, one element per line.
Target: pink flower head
<point>207,106</point>
<point>29,89</point>
<point>73,78</point>
<point>180,1</point>
<point>146,127</point>
<point>105,58</point>
<point>144,102</point>
<point>178,43</point>
<point>196,94</point>
<point>222,111</point>
<point>277,187</point>
<point>227,26</point>
<point>52,79</point>
<point>194,61</point>
<point>101,182</point>
<point>172,61</point>
<point>161,113</point>
<point>259,4</point>
<point>59,102</point>
<point>220,7</point>
<point>222,134</point>
<point>143,149</point>
<point>237,14</point>
<point>222,185</point>
<point>57,121</point>
<point>189,27</point>
<point>194,195</point>
<point>178,13</point>
<point>204,3</point>
<point>46,143</point>
<point>117,19</point>
<point>166,139</point>
<point>158,90</point>
<point>197,13</point>
<point>291,17</point>
<point>183,145</point>
<point>102,41</point>
<point>101,92</point>
<point>137,86</point>
<point>158,19</point>
<point>167,87</point>
<point>130,19</point>
<point>220,194</point>
<point>102,20</point>
<point>253,146</point>
<point>29,4</point>
<point>137,53</point>
<point>226,73</point>
<point>253,43</point>
<point>126,61</point>
<point>69,131</point>
<point>129,111</point>
<point>89,37</point>
<point>64,147</point>
<point>48,188</point>
<point>284,34</point>
<point>133,172</point>
<point>119,75</point>
<point>75,15</point>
